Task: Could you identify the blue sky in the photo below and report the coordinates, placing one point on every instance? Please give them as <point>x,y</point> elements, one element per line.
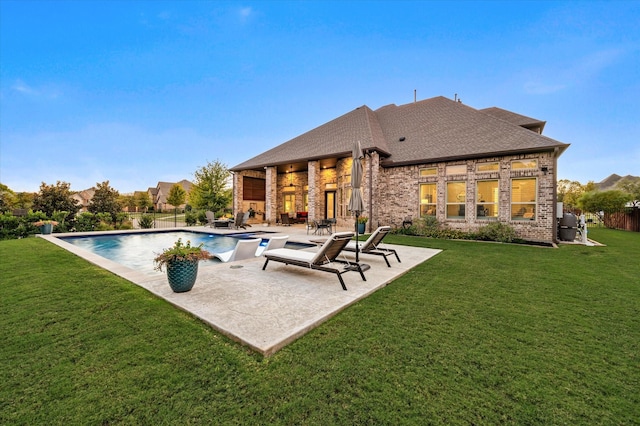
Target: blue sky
<point>137,92</point>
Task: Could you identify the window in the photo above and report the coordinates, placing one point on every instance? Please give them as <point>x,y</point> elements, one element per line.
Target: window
<point>524,164</point>
<point>253,188</point>
<point>487,199</point>
<point>430,171</point>
<point>523,199</point>
<point>487,167</point>
<point>456,198</point>
<point>460,169</point>
<point>290,204</point>
<point>428,199</point>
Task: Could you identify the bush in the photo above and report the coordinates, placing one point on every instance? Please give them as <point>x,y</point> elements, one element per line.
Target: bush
<point>86,221</point>
<point>146,221</point>
<point>190,218</point>
<point>202,217</point>
<point>497,231</point>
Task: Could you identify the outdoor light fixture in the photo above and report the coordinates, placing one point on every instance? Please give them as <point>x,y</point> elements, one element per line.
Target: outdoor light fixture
<point>544,170</point>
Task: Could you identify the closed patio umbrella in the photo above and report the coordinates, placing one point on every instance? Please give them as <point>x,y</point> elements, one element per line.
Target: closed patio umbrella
<point>356,204</point>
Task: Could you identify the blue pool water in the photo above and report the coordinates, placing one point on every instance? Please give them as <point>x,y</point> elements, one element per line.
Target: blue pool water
<point>137,251</point>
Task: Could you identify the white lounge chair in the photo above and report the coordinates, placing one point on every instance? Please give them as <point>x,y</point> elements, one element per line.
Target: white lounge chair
<point>245,249</point>
<point>324,260</point>
<point>272,244</point>
<point>372,245</point>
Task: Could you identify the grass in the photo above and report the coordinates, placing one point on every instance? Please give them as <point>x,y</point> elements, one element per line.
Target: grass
<point>483,333</point>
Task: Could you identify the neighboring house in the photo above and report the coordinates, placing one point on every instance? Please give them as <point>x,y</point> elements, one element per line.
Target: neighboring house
<point>84,198</point>
<point>160,193</point>
<point>437,157</point>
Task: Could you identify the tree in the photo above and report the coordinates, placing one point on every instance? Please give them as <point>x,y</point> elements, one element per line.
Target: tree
<point>177,196</point>
<point>24,200</point>
<point>631,186</point>
<point>127,201</point>
<point>211,189</point>
<point>7,198</point>
<point>105,200</point>
<point>52,198</point>
<point>604,201</point>
<point>143,201</point>
<point>569,192</point>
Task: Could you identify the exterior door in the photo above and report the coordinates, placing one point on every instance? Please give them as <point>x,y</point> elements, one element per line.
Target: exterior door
<point>330,205</point>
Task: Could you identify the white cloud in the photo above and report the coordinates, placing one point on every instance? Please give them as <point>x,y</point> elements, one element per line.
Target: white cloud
<point>245,12</point>
<point>22,87</point>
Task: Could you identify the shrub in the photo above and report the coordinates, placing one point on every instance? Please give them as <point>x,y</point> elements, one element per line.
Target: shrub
<point>190,218</point>
<point>86,221</point>
<point>497,231</point>
<point>202,217</point>
<point>146,221</point>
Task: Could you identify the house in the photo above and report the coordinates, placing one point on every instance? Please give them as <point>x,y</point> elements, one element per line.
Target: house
<point>438,157</point>
<point>160,193</point>
<point>83,198</point>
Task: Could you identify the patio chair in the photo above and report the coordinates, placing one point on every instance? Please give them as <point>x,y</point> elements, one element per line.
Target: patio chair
<point>245,249</point>
<point>321,226</point>
<point>324,260</point>
<point>284,219</point>
<point>272,244</point>
<point>210,218</point>
<point>372,245</point>
<point>241,220</point>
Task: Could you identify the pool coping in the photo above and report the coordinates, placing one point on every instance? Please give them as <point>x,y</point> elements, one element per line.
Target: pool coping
<point>264,310</point>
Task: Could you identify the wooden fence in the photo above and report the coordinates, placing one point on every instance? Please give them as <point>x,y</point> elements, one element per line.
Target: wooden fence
<point>627,221</point>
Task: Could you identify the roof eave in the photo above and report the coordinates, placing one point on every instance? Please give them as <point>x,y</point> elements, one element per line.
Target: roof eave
<point>558,149</point>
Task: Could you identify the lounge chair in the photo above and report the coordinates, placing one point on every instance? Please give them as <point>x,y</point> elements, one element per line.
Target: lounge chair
<point>324,260</point>
<point>241,220</point>
<point>245,249</point>
<point>272,244</point>
<point>210,217</point>
<point>372,245</point>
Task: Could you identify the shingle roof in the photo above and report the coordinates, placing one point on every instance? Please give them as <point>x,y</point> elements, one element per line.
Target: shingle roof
<point>513,118</point>
<point>431,130</point>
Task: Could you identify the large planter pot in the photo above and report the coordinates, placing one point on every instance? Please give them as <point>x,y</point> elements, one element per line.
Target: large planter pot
<point>47,228</point>
<point>182,275</point>
<point>361,227</point>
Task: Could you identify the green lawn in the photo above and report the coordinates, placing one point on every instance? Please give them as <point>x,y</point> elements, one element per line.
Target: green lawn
<point>483,333</point>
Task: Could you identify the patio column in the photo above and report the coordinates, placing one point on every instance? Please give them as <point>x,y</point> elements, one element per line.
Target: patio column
<point>237,192</point>
<point>271,194</point>
<point>314,189</point>
<point>370,186</point>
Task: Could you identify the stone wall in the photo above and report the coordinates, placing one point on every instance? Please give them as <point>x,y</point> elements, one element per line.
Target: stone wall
<point>398,193</point>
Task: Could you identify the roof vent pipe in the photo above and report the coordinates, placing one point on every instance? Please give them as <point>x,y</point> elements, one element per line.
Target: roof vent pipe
<point>415,94</point>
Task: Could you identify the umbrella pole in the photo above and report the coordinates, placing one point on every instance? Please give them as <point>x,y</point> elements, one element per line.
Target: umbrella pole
<point>357,260</point>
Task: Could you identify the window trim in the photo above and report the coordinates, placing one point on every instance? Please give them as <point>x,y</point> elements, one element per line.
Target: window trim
<point>522,162</point>
<point>524,203</point>
<point>495,203</point>
<point>462,203</point>
<point>434,202</point>
<point>489,163</point>
<point>449,170</point>
<point>426,171</point>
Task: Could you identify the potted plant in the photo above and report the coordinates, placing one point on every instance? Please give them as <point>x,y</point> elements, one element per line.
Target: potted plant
<point>181,261</point>
<point>362,222</point>
<point>46,226</point>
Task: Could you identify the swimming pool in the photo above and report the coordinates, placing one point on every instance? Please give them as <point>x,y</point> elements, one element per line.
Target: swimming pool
<point>137,250</point>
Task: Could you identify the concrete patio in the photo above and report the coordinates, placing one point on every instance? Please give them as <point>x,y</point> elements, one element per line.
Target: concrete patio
<point>266,310</point>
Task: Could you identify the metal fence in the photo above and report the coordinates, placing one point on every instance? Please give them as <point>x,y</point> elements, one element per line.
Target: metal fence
<point>160,220</point>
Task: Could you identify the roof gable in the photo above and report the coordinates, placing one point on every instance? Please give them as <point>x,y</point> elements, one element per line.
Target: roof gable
<point>334,138</point>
